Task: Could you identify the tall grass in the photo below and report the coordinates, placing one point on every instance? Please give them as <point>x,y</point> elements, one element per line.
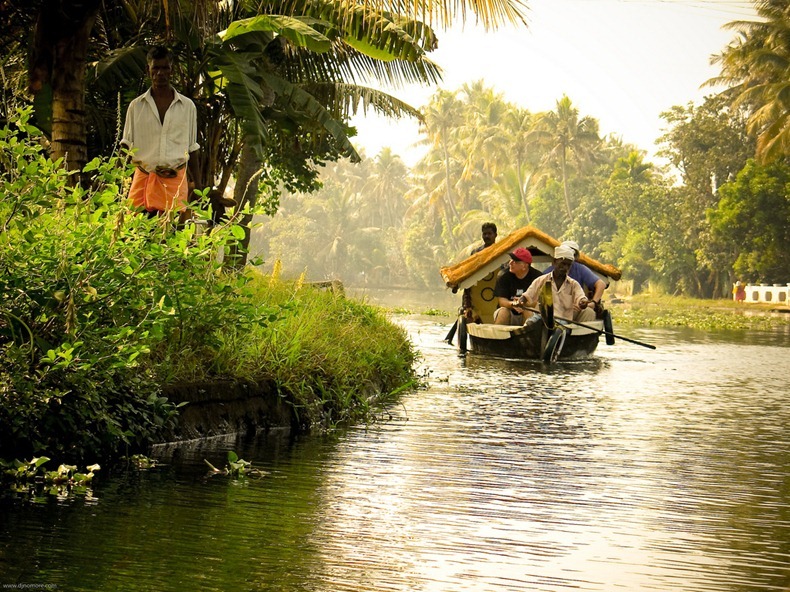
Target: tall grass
<point>332,358</point>
<point>101,309</point>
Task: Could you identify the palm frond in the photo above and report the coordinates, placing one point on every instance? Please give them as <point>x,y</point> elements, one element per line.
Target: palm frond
<point>302,104</point>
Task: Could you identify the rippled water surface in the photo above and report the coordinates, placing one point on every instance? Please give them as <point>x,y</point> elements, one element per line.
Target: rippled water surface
<point>637,470</point>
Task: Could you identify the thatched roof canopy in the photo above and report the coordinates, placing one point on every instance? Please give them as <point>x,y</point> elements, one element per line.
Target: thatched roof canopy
<point>469,271</point>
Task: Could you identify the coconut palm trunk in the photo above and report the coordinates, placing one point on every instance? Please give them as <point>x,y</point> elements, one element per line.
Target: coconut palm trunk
<point>565,191</point>
<point>522,191</point>
<point>452,213</point>
<point>61,47</point>
<point>245,194</point>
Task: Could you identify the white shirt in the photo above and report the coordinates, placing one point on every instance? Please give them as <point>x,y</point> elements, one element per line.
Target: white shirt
<point>165,144</point>
<point>570,293</point>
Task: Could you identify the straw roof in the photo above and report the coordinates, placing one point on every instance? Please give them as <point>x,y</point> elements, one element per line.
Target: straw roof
<point>469,271</point>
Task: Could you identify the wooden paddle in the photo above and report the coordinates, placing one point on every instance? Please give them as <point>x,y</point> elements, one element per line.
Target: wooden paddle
<point>634,341</point>
<point>451,333</point>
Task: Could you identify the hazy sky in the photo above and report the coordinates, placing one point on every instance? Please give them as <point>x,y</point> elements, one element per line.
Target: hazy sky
<point>622,62</point>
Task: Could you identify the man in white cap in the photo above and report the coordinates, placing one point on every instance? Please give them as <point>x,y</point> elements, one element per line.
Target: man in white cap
<point>592,285</point>
<point>511,285</point>
<point>567,295</point>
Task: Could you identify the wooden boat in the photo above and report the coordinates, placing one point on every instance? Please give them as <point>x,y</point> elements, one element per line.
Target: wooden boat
<point>478,274</point>
<point>534,341</point>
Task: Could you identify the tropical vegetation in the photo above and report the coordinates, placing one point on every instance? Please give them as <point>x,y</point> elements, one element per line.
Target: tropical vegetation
<point>103,309</point>
<point>713,210</point>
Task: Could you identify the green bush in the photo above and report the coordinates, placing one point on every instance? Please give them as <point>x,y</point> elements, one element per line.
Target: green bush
<point>94,300</point>
<point>100,308</point>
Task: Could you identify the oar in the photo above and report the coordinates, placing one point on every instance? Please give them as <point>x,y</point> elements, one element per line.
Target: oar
<point>598,330</point>
<point>451,333</point>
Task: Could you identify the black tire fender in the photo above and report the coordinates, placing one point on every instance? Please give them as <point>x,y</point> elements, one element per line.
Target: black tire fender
<point>607,326</point>
<point>554,345</point>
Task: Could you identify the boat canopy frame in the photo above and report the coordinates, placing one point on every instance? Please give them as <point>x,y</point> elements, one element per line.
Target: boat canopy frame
<point>478,266</point>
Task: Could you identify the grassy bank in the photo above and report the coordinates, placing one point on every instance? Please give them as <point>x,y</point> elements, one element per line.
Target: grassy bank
<point>336,359</point>
<point>648,310</point>
<point>677,311</point>
<point>101,308</point>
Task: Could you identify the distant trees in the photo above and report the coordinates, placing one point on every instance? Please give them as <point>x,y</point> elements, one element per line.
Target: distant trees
<point>724,218</point>
<point>756,69</point>
<point>487,160</point>
<point>751,222</point>
<point>491,160</point>
<point>564,134</point>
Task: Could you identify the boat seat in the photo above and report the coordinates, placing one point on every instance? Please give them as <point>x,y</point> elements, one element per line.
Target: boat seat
<point>491,331</point>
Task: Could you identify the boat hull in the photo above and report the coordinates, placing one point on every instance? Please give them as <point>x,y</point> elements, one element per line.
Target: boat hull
<point>530,342</point>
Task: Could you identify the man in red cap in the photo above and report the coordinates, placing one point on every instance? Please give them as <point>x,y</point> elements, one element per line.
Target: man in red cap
<point>511,285</point>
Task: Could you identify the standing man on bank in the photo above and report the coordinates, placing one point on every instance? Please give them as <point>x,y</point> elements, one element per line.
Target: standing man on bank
<point>161,129</point>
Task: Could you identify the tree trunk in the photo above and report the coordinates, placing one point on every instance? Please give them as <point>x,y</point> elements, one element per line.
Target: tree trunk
<point>451,212</point>
<point>59,59</point>
<point>245,193</point>
<point>565,186</point>
<point>522,192</point>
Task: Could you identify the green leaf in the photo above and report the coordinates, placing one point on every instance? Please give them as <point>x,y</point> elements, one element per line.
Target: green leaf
<point>298,32</point>
<point>237,231</point>
<point>37,462</point>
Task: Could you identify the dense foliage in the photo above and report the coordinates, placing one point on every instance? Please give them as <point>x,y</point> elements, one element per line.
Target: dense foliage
<point>101,308</point>
<point>274,83</point>
<point>382,224</point>
<point>755,67</point>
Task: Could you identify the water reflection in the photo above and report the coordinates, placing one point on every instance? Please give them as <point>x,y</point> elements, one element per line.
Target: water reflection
<point>637,470</point>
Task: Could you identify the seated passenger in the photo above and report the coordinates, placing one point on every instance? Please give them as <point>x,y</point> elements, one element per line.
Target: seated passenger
<point>511,285</point>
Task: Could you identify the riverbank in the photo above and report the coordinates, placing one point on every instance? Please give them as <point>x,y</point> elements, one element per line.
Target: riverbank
<point>650,310</point>
<point>677,311</point>
<point>112,323</point>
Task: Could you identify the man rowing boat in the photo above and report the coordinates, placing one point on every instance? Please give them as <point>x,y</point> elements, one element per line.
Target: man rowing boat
<point>567,296</point>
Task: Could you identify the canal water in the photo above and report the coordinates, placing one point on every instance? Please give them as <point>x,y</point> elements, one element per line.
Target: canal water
<point>640,469</point>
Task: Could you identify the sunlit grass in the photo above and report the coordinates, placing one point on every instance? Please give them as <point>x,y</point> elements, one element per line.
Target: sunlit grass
<point>332,358</point>
<point>679,311</point>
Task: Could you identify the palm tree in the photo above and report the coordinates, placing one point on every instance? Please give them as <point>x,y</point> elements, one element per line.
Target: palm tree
<point>633,168</point>
<point>428,197</point>
<point>57,70</point>
<point>441,120</point>
<point>368,30</point>
<point>564,134</point>
<point>756,67</point>
<point>484,144</point>
<point>525,159</point>
<point>385,189</point>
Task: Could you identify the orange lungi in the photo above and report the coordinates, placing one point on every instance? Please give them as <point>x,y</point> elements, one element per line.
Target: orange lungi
<point>165,194</point>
